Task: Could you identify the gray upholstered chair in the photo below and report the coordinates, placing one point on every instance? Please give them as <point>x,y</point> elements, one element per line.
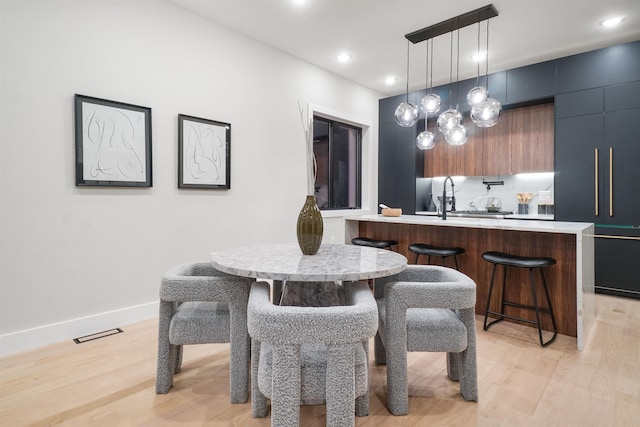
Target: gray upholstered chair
<point>200,305</point>
<point>431,309</point>
<point>311,353</point>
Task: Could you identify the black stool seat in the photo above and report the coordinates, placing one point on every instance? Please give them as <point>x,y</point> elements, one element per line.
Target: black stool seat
<point>532,263</point>
<point>373,243</point>
<point>517,261</point>
<point>430,250</point>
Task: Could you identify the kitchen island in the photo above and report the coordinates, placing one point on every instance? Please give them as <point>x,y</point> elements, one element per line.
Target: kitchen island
<point>570,281</point>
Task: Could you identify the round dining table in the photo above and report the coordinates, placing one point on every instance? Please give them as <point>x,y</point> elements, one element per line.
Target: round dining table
<point>285,263</point>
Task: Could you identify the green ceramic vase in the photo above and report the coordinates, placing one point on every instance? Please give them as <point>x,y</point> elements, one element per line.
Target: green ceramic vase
<point>310,227</point>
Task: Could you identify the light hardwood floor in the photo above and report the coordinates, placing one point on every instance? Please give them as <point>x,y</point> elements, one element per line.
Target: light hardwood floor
<point>110,382</point>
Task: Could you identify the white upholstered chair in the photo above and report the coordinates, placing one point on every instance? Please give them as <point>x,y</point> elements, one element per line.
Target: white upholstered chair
<point>200,305</point>
<point>311,353</point>
<point>431,309</point>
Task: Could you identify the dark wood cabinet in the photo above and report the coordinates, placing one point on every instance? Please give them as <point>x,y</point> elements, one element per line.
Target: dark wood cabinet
<point>522,141</point>
<point>496,147</point>
<point>469,156</point>
<point>441,160</point>
<point>532,139</point>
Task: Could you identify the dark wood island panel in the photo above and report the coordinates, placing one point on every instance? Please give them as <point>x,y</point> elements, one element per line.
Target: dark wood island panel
<point>561,278</point>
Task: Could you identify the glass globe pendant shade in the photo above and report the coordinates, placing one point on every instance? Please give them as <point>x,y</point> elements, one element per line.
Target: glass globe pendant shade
<point>477,95</point>
<point>448,119</point>
<point>430,103</point>
<point>407,114</point>
<point>425,140</point>
<point>487,113</point>
<point>457,135</point>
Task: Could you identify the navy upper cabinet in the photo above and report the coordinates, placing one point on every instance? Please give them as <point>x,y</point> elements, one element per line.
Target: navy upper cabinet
<point>387,108</point>
<point>497,86</point>
<point>603,67</point>
<point>622,97</point>
<point>579,103</point>
<point>397,167</point>
<point>530,83</point>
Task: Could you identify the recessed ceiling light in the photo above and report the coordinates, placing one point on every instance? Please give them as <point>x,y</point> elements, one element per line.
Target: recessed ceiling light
<point>390,80</point>
<point>299,1</point>
<point>612,22</point>
<point>343,57</point>
<point>480,56</point>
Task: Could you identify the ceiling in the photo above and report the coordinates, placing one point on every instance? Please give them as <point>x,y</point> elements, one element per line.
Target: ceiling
<point>372,31</point>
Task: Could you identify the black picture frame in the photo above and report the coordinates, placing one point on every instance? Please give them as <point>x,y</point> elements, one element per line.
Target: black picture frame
<point>113,143</point>
<point>204,153</point>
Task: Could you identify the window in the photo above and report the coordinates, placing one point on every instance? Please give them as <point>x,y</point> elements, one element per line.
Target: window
<point>338,150</point>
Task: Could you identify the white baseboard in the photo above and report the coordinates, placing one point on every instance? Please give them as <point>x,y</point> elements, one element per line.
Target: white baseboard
<point>29,339</point>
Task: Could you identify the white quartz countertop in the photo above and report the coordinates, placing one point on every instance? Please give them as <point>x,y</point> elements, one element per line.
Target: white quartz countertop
<point>491,223</point>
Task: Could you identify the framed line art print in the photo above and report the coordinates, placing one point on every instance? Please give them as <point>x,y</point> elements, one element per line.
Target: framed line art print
<point>113,143</point>
<point>204,153</point>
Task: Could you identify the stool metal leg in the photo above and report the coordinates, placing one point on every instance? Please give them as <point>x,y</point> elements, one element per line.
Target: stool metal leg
<point>535,305</point>
<point>455,259</point>
<point>416,262</point>
<point>504,290</point>
<point>487,311</point>
<point>553,318</point>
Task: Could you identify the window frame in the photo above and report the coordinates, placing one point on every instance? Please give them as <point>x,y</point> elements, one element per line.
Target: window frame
<point>367,158</point>
<point>331,147</point>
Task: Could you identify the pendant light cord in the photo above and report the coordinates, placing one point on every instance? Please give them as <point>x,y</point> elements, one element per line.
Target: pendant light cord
<point>407,70</point>
<point>478,59</point>
<point>487,60</point>
<point>431,69</point>
<point>451,70</point>
<point>426,69</point>
<point>458,66</point>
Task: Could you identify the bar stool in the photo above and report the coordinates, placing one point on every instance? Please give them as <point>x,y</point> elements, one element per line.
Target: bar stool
<point>430,250</point>
<point>508,260</point>
<point>374,243</point>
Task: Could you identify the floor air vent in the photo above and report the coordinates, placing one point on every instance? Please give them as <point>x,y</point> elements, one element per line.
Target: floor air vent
<point>97,335</point>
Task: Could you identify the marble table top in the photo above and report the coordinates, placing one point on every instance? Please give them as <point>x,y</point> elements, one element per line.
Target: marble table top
<point>285,261</point>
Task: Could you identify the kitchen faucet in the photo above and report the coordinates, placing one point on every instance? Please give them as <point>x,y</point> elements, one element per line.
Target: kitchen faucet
<point>444,197</point>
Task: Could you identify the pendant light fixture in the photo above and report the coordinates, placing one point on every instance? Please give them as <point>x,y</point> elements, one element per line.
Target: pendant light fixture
<point>449,117</point>
<point>426,140</point>
<point>406,114</point>
<point>431,101</point>
<point>485,111</point>
<point>479,93</point>
<point>457,134</point>
<point>488,112</point>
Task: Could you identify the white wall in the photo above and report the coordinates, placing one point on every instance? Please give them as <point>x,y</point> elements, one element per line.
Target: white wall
<point>73,260</point>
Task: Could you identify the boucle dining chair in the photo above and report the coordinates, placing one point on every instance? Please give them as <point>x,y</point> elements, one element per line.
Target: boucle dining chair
<point>429,309</point>
<point>311,353</point>
<point>201,305</point>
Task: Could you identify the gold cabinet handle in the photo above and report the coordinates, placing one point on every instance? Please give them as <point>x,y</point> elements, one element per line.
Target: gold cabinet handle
<point>610,181</point>
<point>596,181</point>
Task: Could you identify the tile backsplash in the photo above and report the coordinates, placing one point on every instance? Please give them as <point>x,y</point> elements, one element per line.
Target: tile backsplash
<point>472,193</point>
